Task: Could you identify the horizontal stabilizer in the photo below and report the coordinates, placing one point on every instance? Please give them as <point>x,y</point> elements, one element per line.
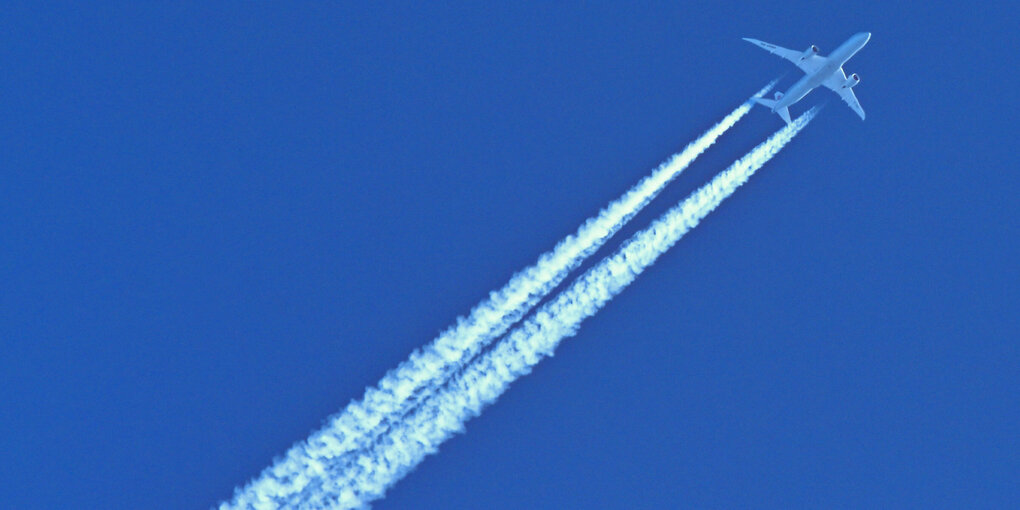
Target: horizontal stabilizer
<point>783,112</point>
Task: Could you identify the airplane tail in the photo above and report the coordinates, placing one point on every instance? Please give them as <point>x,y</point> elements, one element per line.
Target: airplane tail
<point>783,112</point>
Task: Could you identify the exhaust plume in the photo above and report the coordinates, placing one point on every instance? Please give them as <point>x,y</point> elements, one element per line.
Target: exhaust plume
<point>465,396</point>
<point>345,434</point>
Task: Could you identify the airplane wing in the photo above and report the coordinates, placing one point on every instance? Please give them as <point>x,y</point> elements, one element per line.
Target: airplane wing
<point>835,84</point>
<point>809,64</point>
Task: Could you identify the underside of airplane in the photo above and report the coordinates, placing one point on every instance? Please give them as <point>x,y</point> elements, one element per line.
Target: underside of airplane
<point>818,71</point>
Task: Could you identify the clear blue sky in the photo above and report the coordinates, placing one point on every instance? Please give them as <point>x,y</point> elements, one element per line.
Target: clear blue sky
<point>221,221</point>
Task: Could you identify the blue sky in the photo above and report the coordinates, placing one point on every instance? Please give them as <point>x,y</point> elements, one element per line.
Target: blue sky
<point>221,221</point>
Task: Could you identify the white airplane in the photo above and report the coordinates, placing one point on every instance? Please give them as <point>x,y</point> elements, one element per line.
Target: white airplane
<point>818,70</point>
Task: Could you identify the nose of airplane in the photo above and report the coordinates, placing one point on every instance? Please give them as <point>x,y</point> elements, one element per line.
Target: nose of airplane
<point>866,36</point>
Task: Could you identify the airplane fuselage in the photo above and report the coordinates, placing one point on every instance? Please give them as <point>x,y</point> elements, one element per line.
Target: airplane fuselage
<point>834,62</point>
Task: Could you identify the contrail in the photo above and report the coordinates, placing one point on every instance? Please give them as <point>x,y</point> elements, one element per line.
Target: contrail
<point>481,382</point>
<point>400,390</point>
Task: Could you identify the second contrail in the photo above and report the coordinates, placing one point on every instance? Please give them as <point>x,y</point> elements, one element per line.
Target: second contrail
<point>483,381</point>
<point>310,464</point>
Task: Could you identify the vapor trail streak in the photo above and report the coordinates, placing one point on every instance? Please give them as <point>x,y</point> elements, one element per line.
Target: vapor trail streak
<point>481,382</point>
<point>302,469</point>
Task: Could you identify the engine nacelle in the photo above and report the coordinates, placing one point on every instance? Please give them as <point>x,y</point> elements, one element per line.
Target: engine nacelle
<point>813,50</point>
<point>851,81</point>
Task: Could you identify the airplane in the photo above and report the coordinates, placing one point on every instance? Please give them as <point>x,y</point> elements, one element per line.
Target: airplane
<point>818,70</point>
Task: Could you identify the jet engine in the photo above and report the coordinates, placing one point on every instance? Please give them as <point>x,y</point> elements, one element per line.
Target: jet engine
<point>851,81</point>
<point>813,50</point>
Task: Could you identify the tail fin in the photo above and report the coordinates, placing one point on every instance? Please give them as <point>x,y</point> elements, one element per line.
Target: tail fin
<point>783,112</point>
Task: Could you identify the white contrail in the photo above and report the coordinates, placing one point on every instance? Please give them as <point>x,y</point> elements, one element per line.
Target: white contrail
<point>401,389</point>
<point>481,382</point>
